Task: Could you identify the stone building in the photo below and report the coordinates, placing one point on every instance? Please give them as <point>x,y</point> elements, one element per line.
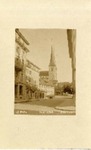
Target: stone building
<point>45,85</point>
<point>47,89</point>
<point>21,50</point>
<point>32,79</point>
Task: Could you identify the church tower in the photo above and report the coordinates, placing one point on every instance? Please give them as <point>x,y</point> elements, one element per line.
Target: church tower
<point>52,68</point>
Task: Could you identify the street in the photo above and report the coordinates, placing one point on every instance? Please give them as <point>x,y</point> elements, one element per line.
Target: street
<point>60,105</point>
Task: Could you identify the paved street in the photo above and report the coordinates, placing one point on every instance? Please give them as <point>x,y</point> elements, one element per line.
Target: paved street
<point>60,105</point>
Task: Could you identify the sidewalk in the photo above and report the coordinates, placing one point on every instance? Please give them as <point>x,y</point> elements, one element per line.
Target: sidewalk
<point>67,108</point>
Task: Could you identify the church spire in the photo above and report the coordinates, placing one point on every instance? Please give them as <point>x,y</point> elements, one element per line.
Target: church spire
<point>52,58</point>
<point>52,68</point>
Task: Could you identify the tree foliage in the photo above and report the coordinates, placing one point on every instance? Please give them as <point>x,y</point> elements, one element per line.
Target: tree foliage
<point>65,87</point>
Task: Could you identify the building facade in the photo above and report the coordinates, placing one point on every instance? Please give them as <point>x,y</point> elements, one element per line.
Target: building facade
<point>44,77</point>
<point>45,84</point>
<point>47,90</point>
<point>32,79</point>
<point>21,51</point>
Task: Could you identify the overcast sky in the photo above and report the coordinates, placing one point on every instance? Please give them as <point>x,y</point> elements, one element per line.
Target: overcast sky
<point>40,49</point>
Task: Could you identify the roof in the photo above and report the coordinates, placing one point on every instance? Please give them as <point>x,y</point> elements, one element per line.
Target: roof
<point>44,73</point>
<point>28,61</point>
<point>20,34</point>
<point>22,45</point>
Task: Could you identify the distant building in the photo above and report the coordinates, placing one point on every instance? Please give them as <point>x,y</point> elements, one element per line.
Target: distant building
<point>48,79</point>
<point>44,77</point>
<point>51,75</point>
<point>52,67</point>
<point>47,89</point>
<point>21,51</point>
<point>45,85</point>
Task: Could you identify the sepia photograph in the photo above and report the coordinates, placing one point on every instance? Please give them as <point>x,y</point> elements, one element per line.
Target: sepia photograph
<point>45,71</point>
<point>45,74</point>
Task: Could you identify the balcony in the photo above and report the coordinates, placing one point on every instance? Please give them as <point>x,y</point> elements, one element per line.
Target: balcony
<point>18,64</point>
<point>19,80</point>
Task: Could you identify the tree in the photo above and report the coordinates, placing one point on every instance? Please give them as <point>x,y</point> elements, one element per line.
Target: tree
<point>64,87</point>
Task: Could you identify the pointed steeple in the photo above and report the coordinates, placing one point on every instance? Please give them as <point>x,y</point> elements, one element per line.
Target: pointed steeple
<point>52,58</point>
<point>52,68</point>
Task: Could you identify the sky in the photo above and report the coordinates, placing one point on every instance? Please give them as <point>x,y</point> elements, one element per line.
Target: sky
<point>40,49</point>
